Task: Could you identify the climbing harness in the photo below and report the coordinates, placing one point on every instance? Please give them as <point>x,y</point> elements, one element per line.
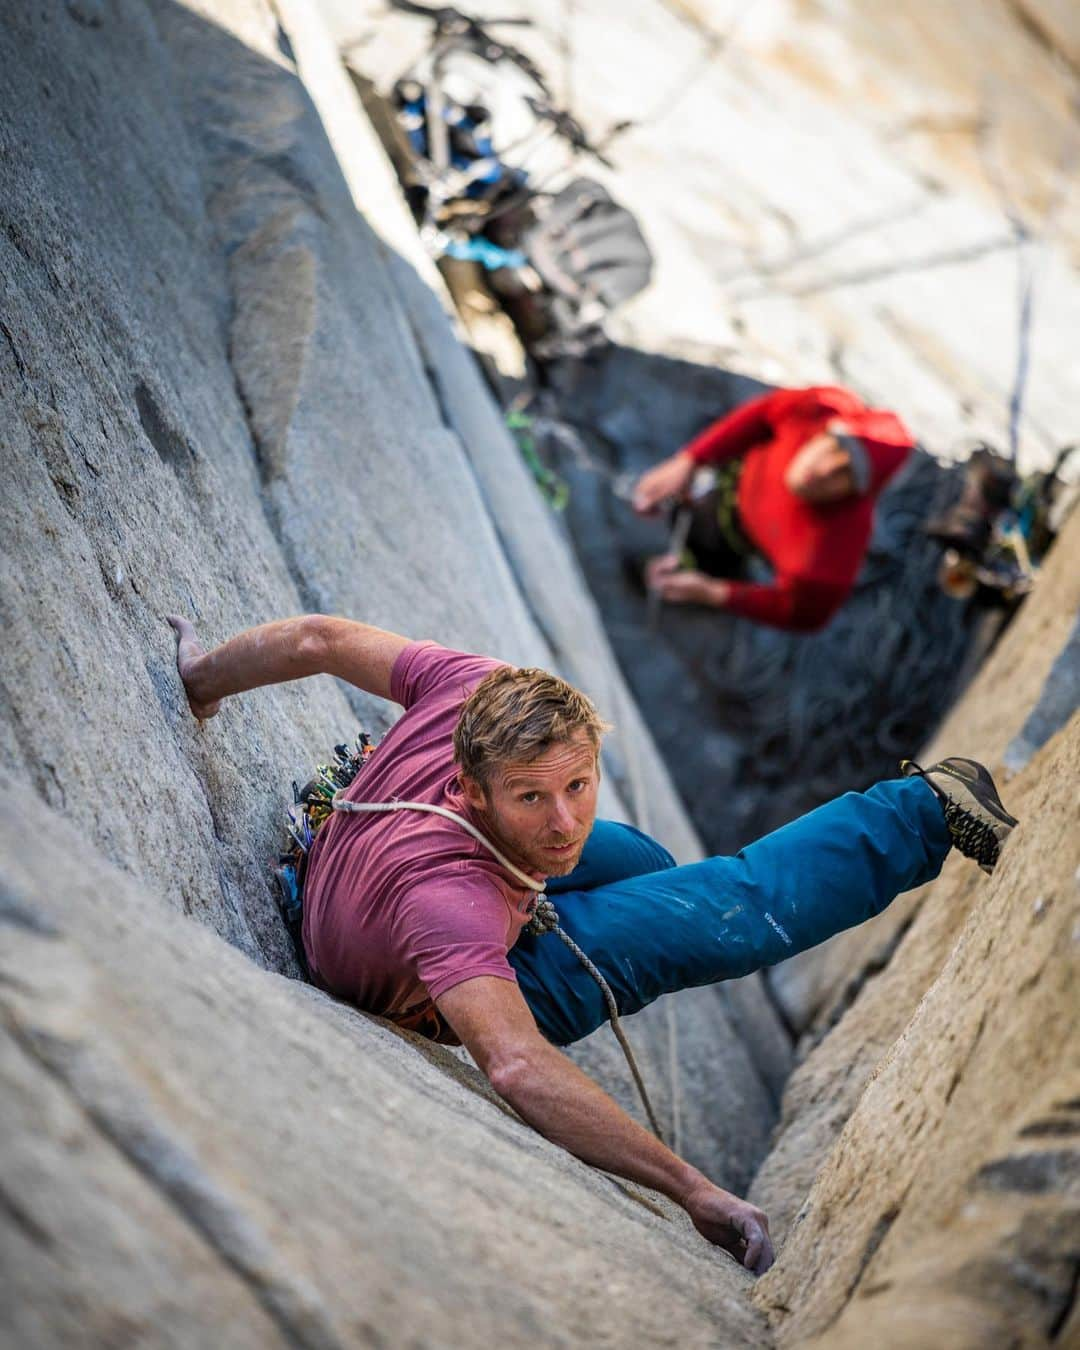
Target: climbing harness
<point>311,808</point>
<point>318,801</point>
<point>726,490</point>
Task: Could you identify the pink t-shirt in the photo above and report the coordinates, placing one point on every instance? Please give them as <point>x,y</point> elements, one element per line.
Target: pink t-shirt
<point>400,908</point>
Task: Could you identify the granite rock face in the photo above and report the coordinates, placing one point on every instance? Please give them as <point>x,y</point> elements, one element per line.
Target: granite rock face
<point>230,388</point>
<point>949,1208</point>
<point>223,394</point>
<point>933,1113</point>
<point>200,1153</point>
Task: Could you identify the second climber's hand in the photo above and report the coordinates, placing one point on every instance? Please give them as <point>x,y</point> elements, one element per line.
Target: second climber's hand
<point>668,481</point>
<point>675,585</point>
<point>736,1225</point>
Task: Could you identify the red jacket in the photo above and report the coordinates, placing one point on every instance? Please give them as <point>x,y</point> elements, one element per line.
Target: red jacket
<point>815,551</point>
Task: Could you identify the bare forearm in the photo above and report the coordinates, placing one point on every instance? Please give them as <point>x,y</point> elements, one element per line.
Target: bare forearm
<point>557,1099</point>
<point>552,1094</point>
<point>269,654</point>
<point>291,649</point>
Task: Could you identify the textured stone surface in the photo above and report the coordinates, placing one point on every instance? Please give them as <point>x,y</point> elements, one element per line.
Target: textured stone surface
<point>201,1153</point>
<point>863,987</point>
<point>216,400</point>
<point>949,1210</point>
<point>223,392</point>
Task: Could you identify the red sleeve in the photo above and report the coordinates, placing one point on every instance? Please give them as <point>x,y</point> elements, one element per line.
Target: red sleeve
<point>733,435</point>
<point>800,606</point>
<point>424,666</point>
<point>453,928</point>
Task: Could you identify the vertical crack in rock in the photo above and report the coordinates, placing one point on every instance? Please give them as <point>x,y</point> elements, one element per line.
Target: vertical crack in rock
<point>1035,26</point>
<point>273,278</point>
<point>878,1234</point>
<point>444,408</point>
<point>787,1025</point>
<point>434,379</point>
<point>847,997</point>
<point>172,448</point>
<point>118,1112</point>
<point>1057,1326</point>
<point>20,364</point>
<point>265,208</point>
<point>24,1221</point>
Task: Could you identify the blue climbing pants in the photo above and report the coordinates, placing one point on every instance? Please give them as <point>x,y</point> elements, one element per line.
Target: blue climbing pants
<point>653,928</point>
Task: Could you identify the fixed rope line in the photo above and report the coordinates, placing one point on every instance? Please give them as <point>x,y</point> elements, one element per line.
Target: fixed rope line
<point>1026,275</point>
<point>544,919</point>
<point>680,533</point>
<point>566,44</point>
<point>1027,240</point>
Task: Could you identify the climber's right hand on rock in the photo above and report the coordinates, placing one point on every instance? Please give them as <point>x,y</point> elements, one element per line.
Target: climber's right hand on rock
<point>739,1227</point>
<point>188,652</point>
<point>667,481</point>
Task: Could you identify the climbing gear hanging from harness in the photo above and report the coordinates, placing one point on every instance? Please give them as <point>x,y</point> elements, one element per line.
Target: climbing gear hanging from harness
<point>726,505</point>
<point>320,798</point>
<point>315,803</point>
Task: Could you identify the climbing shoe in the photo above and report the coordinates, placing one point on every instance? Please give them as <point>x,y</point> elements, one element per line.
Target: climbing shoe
<point>977,821</point>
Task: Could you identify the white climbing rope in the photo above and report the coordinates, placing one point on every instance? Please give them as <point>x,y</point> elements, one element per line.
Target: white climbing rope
<point>545,919</point>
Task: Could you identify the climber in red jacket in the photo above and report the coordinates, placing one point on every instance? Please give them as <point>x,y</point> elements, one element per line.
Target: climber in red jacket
<point>799,471</point>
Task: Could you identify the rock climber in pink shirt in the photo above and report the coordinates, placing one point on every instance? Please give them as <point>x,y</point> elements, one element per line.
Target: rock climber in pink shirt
<point>483,793</point>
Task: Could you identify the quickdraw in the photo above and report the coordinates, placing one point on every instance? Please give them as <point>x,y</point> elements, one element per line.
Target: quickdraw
<point>312,806</point>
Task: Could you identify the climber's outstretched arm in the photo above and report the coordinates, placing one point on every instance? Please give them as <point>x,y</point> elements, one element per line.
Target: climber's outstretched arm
<point>552,1094</point>
<point>288,649</point>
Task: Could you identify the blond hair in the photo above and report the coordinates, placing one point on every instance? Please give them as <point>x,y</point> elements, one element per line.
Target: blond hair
<point>514,715</point>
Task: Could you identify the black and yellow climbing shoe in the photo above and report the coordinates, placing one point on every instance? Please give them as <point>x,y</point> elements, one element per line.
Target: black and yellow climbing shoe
<point>977,821</point>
